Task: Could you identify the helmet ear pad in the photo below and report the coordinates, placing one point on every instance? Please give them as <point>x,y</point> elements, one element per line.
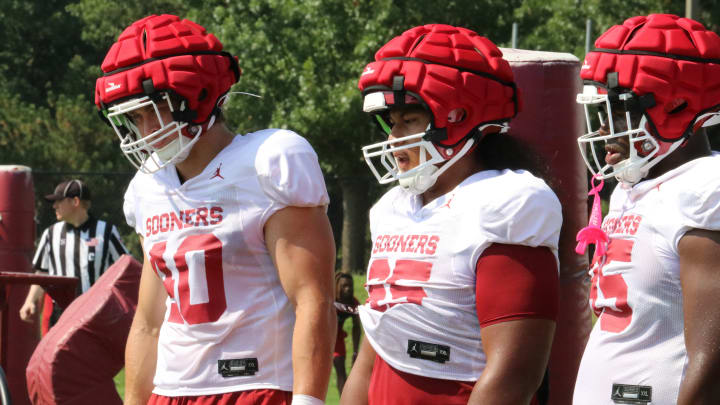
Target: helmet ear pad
<point>675,60</point>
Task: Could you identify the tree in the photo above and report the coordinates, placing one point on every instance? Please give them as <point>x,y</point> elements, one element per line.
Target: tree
<point>305,57</point>
<point>49,61</point>
<point>559,25</point>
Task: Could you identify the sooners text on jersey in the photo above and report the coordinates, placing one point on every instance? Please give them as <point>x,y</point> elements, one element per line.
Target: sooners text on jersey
<point>420,316</point>
<point>228,324</point>
<point>637,344</point>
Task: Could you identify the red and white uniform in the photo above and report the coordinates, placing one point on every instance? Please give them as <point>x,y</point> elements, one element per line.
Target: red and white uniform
<point>638,337</point>
<point>422,273</point>
<point>205,240</point>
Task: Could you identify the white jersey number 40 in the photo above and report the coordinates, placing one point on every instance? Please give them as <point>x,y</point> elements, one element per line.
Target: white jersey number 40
<point>204,250</point>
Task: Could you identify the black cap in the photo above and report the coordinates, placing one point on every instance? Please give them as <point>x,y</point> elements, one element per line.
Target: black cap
<point>69,189</point>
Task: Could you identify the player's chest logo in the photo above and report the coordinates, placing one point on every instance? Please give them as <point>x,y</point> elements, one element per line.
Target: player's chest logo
<point>217,173</point>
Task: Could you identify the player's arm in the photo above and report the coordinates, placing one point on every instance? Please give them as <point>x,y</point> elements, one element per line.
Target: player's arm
<point>32,303</point>
<point>517,300</point>
<point>355,391</point>
<point>141,348</point>
<point>699,252</point>
<point>301,244</point>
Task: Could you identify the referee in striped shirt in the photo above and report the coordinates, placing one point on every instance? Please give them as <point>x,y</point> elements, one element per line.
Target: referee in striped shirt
<point>80,245</point>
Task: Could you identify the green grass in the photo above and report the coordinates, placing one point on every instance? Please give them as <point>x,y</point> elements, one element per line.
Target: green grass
<point>333,398</point>
<point>120,383</point>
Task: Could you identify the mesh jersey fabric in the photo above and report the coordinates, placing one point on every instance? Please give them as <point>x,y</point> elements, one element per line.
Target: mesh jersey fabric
<point>205,240</point>
<point>422,272</point>
<point>638,338</point>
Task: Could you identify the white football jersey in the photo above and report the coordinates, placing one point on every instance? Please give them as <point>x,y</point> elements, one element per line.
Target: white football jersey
<point>228,324</point>
<point>636,351</point>
<point>420,316</point>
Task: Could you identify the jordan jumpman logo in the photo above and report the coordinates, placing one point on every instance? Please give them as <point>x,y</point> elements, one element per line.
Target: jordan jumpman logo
<point>217,173</point>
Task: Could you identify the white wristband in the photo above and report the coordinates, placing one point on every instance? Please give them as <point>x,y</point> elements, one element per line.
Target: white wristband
<point>300,399</point>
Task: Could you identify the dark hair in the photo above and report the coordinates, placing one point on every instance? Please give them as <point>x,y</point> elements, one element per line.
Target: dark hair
<point>497,151</point>
<point>339,276</point>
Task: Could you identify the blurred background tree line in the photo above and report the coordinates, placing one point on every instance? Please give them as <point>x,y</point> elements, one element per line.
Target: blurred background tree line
<point>302,56</point>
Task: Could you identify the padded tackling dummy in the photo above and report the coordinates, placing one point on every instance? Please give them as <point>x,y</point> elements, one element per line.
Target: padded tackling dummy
<point>550,123</point>
<point>17,241</point>
<point>76,361</point>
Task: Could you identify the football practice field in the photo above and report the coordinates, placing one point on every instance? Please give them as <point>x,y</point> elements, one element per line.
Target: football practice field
<point>333,397</point>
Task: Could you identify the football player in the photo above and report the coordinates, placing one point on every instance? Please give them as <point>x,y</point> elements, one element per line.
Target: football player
<point>346,305</point>
<point>463,275</point>
<point>651,85</point>
<point>236,294</point>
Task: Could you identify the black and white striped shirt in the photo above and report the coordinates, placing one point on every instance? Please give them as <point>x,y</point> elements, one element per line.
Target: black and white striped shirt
<point>84,252</point>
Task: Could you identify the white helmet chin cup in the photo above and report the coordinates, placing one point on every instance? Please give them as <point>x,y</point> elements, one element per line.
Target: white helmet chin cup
<point>418,179</point>
<point>421,181</point>
<point>164,146</point>
<point>175,151</point>
<point>627,173</point>
<point>635,167</point>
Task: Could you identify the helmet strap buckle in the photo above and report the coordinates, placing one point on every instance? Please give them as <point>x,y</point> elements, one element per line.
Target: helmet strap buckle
<point>398,88</point>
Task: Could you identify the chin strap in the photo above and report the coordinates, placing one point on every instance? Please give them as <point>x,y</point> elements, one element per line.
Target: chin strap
<point>427,176</point>
<point>631,172</point>
<point>421,181</point>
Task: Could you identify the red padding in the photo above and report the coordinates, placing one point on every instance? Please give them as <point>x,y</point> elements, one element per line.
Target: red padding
<point>76,361</point>
<point>550,123</point>
<point>516,282</point>
<point>46,313</point>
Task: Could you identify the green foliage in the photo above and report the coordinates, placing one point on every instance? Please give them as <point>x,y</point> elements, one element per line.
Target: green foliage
<point>39,39</point>
<point>305,57</point>
<point>559,25</point>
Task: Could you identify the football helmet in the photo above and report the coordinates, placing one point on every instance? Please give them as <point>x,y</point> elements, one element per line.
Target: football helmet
<point>651,82</point>
<point>174,70</point>
<point>460,79</point>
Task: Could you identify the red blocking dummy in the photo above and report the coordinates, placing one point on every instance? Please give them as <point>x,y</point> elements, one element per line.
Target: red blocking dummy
<point>550,122</point>
<point>17,239</point>
<point>76,361</point>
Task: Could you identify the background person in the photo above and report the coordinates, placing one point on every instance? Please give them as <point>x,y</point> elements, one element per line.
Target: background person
<point>346,305</point>
<point>654,82</point>
<point>79,245</point>
<point>236,293</point>
<point>463,273</point>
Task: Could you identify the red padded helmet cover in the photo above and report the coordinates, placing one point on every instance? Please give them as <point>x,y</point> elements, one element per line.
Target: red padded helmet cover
<point>448,68</point>
<point>676,59</point>
<point>177,55</point>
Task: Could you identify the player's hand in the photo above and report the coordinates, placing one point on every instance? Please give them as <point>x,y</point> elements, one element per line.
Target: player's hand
<point>345,308</point>
<point>27,312</point>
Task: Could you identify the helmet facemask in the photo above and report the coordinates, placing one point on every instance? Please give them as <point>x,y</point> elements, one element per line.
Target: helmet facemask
<point>170,141</point>
<point>610,122</point>
<point>434,160</point>
<point>178,72</point>
<point>461,80</point>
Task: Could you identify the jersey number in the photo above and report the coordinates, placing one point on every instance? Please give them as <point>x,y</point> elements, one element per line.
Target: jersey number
<point>200,249</point>
<point>414,270</point>
<point>613,317</point>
